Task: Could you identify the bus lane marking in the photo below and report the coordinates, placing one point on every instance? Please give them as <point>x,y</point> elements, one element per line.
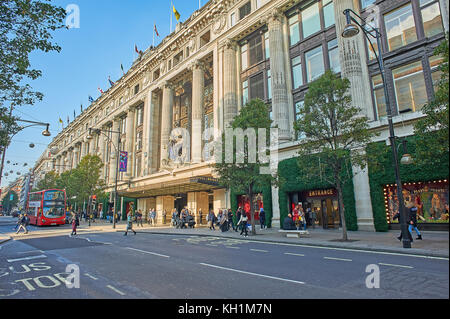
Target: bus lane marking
<point>115,290</point>
<point>26,258</point>
<point>392,265</point>
<point>90,276</point>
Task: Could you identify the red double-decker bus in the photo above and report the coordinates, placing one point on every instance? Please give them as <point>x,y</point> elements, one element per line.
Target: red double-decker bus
<point>47,208</point>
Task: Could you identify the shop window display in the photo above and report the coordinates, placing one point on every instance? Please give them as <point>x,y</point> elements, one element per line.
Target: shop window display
<point>431,199</point>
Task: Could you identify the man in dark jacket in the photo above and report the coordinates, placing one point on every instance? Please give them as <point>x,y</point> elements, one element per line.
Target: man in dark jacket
<point>413,222</point>
<point>238,218</point>
<point>262,218</point>
<point>288,223</point>
<point>399,218</point>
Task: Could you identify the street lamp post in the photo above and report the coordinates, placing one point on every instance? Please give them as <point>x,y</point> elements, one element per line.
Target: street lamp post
<point>46,133</point>
<point>89,137</point>
<point>351,29</point>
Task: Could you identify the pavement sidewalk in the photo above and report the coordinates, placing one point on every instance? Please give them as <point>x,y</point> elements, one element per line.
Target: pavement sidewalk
<point>434,243</point>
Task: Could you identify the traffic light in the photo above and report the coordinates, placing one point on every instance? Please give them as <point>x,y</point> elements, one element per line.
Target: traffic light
<point>94,200</point>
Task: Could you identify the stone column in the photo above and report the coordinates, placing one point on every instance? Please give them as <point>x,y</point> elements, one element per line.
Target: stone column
<point>275,208</point>
<point>153,135</point>
<point>444,13</point>
<point>280,102</point>
<point>198,88</point>
<point>363,202</point>
<point>230,104</point>
<point>92,146</point>
<point>166,119</point>
<point>130,142</point>
<point>101,153</point>
<point>83,150</point>
<point>113,161</point>
<point>352,56</point>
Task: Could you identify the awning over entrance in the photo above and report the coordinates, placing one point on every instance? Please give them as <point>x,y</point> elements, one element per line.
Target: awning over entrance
<point>179,186</point>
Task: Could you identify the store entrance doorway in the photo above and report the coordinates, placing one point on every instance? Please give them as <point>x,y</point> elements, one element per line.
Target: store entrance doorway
<point>180,202</point>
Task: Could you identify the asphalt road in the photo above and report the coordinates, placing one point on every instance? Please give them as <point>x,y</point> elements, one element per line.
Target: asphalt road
<point>192,267</point>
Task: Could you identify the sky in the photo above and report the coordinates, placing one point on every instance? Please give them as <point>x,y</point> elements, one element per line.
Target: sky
<point>107,33</point>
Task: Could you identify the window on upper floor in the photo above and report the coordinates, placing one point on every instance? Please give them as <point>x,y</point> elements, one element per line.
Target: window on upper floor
<point>367,3</point>
<point>410,88</point>
<point>435,62</point>
<point>205,39</point>
<point>400,27</point>
<point>431,17</point>
<point>255,50</point>
<point>315,66</point>
<point>232,19</point>
<point>298,115</point>
<point>245,10</point>
<point>136,89</point>
<point>258,3</point>
<point>139,116</point>
<point>333,55</point>
<point>139,141</point>
<point>156,75</point>
<point>307,21</point>
<point>297,74</point>
<point>178,58</point>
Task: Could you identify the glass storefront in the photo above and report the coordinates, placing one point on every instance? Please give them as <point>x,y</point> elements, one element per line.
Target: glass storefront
<point>431,199</point>
<point>257,204</point>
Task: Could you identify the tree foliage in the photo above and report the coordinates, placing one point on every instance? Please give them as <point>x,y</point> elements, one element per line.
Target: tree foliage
<point>79,183</point>
<point>334,129</point>
<point>26,26</point>
<point>245,177</point>
<point>9,204</point>
<point>432,130</point>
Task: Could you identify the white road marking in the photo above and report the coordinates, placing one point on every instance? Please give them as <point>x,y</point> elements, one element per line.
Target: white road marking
<point>31,251</point>
<point>26,258</point>
<point>116,290</point>
<point>254,274</point>
<point>148,252</point>
<point>301,255</point>
<point>260,250</point>
<point>90,276</point>
<point>232,247</point>
<point>392,265</point>
<point>349,249</point>
<point>341,259</point>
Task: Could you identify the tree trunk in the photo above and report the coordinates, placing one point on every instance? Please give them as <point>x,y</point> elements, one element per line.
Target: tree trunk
<point>252,211</point>
<point>341,209</point>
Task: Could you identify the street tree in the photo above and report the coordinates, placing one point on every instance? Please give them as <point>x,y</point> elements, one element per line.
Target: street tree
<point>331,128</point>
<point>84,180</point>
<point>10,201</point>
<point>25,27</point>
<point>245,175</point>
<point>48,182</point>
<point>432,130</point>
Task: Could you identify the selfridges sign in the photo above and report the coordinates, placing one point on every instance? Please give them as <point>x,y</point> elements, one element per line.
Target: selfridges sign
<point>261,148</point>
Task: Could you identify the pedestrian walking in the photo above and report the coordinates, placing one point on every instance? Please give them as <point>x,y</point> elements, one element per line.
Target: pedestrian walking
<point>139,218</point>
<point>413,222</point>
<point>200,214</point>
<point>399,218</point>
<point>129,224</point>
<point>230,219</point>
<point>24,222</point>
<point>211,219</point>
<point>243,222</point>
<point>238,218</point>
<point>262,218</point>
<point>75,224</point>
<point>19,221</point>
<point>164,216</point>
<point>153,215</point>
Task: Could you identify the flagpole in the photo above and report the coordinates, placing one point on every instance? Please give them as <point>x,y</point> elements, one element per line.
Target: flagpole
<point>171,10</point>
<point>154,25</point>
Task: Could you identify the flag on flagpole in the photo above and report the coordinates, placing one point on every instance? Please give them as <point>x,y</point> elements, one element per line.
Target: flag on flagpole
<point>110,82</point>
<point>68,120</point>
<point>74,116</point>
<point>137,51</point>
<point>62,123</point>
<point>121,66</point>
<point>81,107</point>
<point>156,31</point>
<point>91,99</point>
<point>100,90</point>
<point>177,14</point>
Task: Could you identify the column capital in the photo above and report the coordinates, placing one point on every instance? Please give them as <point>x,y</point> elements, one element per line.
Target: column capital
<point>274,16</point>
<point>229,44</point>
<point>197,64</point>
<point>167,85</point>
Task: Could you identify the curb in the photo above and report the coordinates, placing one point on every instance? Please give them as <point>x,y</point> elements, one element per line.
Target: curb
<point>4,240</point>
<point>374,249</point>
